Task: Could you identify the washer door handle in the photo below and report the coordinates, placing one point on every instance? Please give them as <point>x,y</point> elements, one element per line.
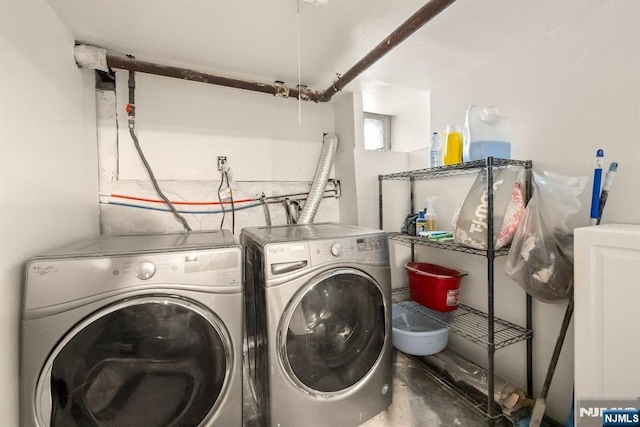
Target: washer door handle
<point>287,267</point>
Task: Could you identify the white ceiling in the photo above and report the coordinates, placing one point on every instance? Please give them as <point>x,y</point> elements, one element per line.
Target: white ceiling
<point>292,40</point>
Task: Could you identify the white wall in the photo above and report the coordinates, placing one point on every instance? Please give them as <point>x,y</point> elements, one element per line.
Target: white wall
<point>410,123</point>
<point>48,161</point>
<point>345,112</point>
<point>409,111</point>
<point>183,126</point>
<point>272,145</point>
<point>568,93</point>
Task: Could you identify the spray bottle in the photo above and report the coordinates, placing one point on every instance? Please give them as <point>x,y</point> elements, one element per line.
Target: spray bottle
<point>430,216</point>
<point>427,220</point>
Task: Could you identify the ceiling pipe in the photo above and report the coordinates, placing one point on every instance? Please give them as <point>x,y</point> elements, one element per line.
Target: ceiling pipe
<point>277,89</point>
<point>407,28</point>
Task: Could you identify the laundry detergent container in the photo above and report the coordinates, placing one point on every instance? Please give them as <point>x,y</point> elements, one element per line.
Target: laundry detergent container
<point>434,286</point>
<point>486,133</point>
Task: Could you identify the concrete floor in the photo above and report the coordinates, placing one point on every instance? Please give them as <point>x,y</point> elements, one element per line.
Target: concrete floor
<point>418,401</point>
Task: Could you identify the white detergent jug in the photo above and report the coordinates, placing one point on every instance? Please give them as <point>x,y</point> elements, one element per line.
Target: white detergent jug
<point>486,134</point>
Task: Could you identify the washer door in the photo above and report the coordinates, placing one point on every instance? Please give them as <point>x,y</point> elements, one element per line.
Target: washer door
<point>150,361</point>
<point>335,331</point>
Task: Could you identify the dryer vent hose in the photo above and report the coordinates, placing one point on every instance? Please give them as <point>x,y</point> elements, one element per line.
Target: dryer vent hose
<point>319,184</point>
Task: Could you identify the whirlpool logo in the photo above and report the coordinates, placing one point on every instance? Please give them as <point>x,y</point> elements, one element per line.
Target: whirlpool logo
<point>45,270</point>
<point>274,250</point>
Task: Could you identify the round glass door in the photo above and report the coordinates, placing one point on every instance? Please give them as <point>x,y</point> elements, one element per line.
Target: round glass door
<point>335,331</point>
<point>151,361</point>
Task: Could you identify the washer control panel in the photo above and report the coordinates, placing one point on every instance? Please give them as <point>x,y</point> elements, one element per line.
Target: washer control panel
<point>51,282</point>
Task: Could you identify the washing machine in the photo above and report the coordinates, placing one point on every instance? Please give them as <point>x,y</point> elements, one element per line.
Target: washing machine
<point>137,330</point>
<point>318,323</point>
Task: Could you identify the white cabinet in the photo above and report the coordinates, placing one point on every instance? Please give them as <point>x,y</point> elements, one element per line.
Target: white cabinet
<point>607,312</point>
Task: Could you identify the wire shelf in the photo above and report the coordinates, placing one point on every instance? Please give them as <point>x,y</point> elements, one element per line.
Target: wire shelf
<point>474,400</point>
<point>467,322</point>
<point>465,168</point>
<point>423,241</point>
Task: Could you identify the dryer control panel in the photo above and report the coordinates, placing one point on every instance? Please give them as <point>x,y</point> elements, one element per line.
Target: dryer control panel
<point>367,249</point>
<point>364,244</point>
<point>282,258</point>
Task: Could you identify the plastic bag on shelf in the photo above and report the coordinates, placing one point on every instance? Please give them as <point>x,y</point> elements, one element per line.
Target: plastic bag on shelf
<point>409,225</point>
<point>541,254</point>
<point>471,220</point>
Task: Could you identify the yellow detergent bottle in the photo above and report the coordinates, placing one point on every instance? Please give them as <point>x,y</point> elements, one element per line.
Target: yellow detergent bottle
<point>452,145</point>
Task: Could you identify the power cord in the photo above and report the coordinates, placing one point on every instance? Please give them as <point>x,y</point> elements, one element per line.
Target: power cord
<point>224,212</point>
<point>224,178</point>
<point>233,208</point>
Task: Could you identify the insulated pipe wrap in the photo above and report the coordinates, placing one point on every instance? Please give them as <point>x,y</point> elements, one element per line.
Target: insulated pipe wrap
<point>320,179</point>
<point>461,370</point>
<point>91,57</point>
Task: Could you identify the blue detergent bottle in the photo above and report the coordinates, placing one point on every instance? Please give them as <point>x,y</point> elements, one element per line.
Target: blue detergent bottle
<point>421,223</point>
<point>486,133</point>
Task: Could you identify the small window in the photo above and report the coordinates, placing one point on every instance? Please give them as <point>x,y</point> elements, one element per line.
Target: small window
<point>377,132</point>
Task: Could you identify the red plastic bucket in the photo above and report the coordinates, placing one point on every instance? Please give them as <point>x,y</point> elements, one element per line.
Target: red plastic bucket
<point>434,286</point>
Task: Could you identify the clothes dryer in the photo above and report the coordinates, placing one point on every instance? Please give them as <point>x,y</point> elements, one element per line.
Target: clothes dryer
<point>139,330</point>
<point>318,316</point>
